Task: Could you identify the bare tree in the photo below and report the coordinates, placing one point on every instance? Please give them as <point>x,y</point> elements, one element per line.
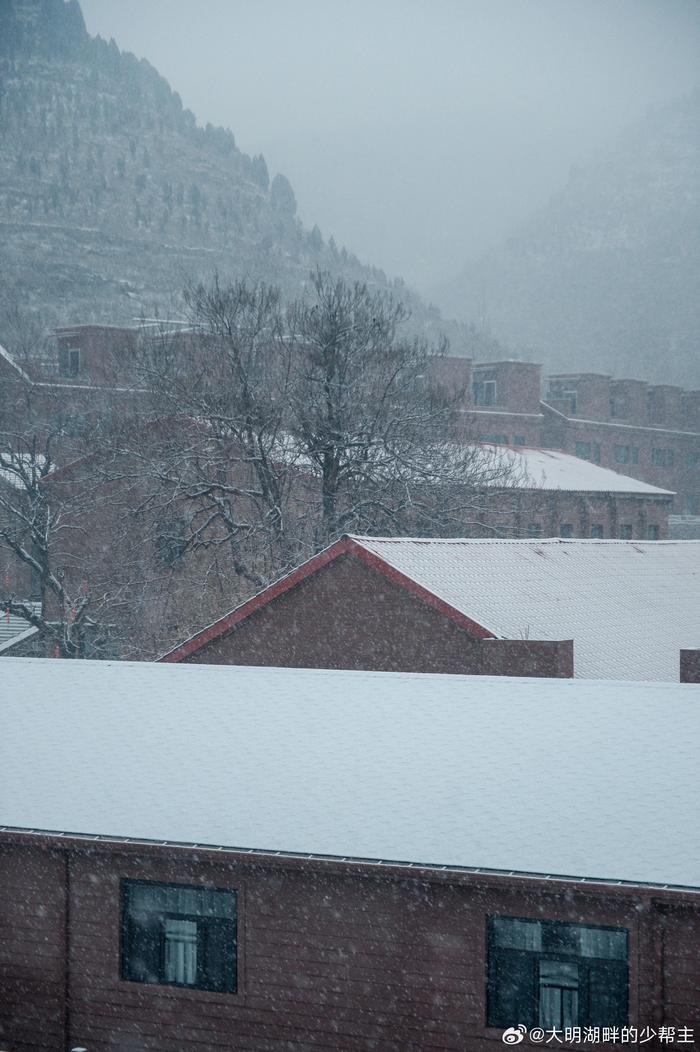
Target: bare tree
<point>31,526</point>
<point>314,419</point>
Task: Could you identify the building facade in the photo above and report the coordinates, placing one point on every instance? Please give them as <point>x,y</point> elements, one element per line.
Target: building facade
<point>648,431</point>
<point>263,859</point>
<point>327,954</point>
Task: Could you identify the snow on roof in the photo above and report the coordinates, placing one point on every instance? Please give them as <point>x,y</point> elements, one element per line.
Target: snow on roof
<point>548,469</point>
<point>560,777</point>
<point>14,629</point>
<point>4,354</point>
<point>18,463</point>
<point>629,606</point>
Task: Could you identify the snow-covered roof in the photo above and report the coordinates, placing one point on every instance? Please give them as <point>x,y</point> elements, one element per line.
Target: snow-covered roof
<point>6,356</point>
<point>554,777</point>
<point>14,629</point>
<point>17,463</point>
<point>548,469</point>
<point>629,606</point>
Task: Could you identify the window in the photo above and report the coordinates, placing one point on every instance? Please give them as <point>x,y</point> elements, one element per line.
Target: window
<point>662,458</point>
<point>543,973</point>
<point>588,451</point>
<point>618,407</point>
<point>626,532</point>
<point>497,440</point>
<point>622,454</point>
<point>68,361</point>
<point>597,532</point>
<point>566,530</point>
<point>652,533</point>
<point>534,529</point>
<point>559,392</point>
<point>692,460</point>
<point>484,392</point>
<point>177,935</point>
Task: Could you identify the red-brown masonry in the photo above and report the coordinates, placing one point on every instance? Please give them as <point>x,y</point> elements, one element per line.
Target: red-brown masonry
<point>350,616</point>
<point>332,956</point>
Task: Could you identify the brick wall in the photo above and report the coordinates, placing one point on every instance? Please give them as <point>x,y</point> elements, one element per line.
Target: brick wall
<point>349,616</point>
<point>330,956</point>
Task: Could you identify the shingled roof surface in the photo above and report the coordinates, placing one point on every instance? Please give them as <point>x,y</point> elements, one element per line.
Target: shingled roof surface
<point>548,469</point>
<point>629,606</point>
<point>553,777</point>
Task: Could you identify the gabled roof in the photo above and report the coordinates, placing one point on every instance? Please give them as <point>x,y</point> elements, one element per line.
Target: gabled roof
<point>345,546</point>
<point>553,777</point>
<point>629,606</point>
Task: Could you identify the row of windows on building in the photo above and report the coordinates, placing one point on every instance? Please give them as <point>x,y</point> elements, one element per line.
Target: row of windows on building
<point>545,973</point>
<point>618,405</point>
<point>625,531</point>
<point>502,440</point>
<point>660,457</point>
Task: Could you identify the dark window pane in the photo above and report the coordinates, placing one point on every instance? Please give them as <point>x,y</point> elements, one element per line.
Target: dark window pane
<point>511,988</point>
<point>561,938</point>
<point>142,949</point>
<point>513,934</point>
<point>607,1004</point>
<point>219,966</point>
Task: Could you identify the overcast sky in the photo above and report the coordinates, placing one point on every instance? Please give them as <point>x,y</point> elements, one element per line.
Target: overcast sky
<point>417,132</point>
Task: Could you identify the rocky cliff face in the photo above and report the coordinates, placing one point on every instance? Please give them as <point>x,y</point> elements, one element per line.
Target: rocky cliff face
<point>607,276</point>
<point>111,195</point>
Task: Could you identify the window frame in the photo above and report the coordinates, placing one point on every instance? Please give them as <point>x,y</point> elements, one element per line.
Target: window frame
<point>69,362</point>
<point>662,457</point>
<point>228,990</point>
<point>530,961</point>
<point>479,392</point>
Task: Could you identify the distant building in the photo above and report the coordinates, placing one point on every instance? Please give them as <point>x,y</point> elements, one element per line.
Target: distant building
<point>648,431</point>
<point>553,494</point>
<point>242,858</point>
<point>477,606</point>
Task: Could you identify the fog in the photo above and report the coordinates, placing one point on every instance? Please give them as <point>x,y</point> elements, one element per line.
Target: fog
<point>417,133</point>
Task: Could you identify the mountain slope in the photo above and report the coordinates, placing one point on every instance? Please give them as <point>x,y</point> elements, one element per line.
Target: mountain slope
<point>607,276</point>
<point>111,196</point>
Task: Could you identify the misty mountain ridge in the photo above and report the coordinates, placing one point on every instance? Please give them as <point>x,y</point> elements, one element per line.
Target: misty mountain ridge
<point>111,195</point>
<point>606,277</point>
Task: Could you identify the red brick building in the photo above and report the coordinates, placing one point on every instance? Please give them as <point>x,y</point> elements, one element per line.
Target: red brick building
<point>265,859</point>
<point>471,605</point>
<point>350,608</point>
<point>554,494</point>
<point>648,431</point>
